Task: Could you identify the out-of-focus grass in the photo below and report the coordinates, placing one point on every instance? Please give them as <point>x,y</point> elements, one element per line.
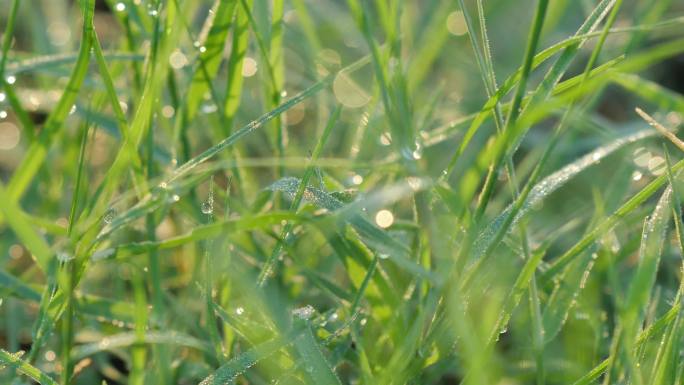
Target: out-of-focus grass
<point>341,192</point>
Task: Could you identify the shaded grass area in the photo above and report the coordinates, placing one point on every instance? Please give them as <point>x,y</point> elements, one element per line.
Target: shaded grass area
<point>341,192</point>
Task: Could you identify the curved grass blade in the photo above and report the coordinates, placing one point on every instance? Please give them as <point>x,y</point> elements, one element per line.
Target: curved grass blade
<point>570,283</point>
<point>267,270</point>
<point>644,336</point>
<point>520,286</point>
<point>197,234</point>
<point>38,150</point>
<point>315,364</point>
<point>549,185</point>
<point>652,241</point>
<point>125,340</point>
<point>370,233</point>
<point>228,372</point>
<point>550,80</point>
<point>629,206</point>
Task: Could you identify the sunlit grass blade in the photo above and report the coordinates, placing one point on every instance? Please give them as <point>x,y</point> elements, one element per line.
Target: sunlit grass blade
<point>15,362</point>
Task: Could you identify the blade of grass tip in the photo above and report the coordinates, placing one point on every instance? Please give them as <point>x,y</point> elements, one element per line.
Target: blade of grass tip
<point>665,363</point>
<point>269,264</point>
<point>641,284</point>
<point>644,336</point>
<point>14,361</point>
<point>37,152</point>
<point>499,152</point>
<point>213,42</point>
<point>571,281</point>
<point>661,129</point>
<point>485,65</point>
<point>228,372</point>
<point>138,127</point>
<point>570,47</point>
<point>521,284</point>
<point>634,202</point>
<point>316,366</point>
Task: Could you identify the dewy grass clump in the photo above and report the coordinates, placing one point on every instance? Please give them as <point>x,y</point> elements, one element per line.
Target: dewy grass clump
<point>341,192</point>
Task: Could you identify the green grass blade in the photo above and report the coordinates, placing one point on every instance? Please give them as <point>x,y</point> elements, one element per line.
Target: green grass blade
<point>14,361</point>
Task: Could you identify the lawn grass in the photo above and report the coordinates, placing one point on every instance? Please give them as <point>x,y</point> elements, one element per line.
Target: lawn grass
<point>341,192</point>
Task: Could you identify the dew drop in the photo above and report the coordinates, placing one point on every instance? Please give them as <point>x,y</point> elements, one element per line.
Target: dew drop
<point>240,310</point>
<point>208,207</point>
<point>304,313</point>
<point>109,216</point>
<point>120,7</point>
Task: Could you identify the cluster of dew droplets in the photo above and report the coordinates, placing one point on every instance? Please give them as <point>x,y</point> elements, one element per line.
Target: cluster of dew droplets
<point>13,358</point>
<point>109,215</point>
<point>304,313</point>
<point>207,206</point>
<point>552,183</point>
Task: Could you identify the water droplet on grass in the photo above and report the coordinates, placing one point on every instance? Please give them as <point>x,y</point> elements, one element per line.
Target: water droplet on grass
<point>109,216</point>
<point>208,207</point>
<point>304,312</point>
